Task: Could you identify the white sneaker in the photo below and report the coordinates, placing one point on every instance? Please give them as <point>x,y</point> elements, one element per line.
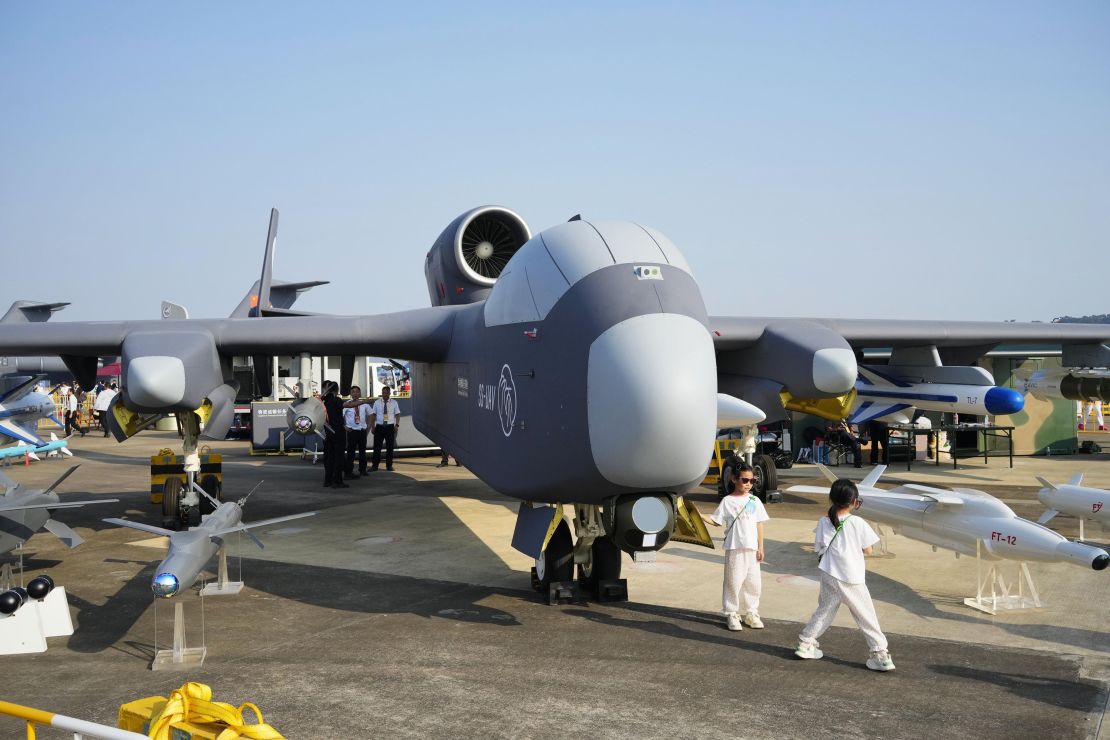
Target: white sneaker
<point>808,651</point>
<point>752,620</point>
<point>880,661</point>
<point>734,623</point>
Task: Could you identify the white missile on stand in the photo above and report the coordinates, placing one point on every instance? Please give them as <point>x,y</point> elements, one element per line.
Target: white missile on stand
<point>1078,501</point>
<point>886,395</point>
<point>190,551</point>
<point>966,521</point>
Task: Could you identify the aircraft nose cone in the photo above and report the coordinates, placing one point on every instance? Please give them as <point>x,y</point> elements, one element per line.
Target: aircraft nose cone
<point>834,369</point>
<point>1003,401</point>
<point>651,392</point>
<point>156,380</point>
<point>1100,562</point>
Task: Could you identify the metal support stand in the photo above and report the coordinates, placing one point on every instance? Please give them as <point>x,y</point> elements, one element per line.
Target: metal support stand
<point>1000,597</point>
<point>222,586</point>
<point>180,656</point>
<point>1081,533</point>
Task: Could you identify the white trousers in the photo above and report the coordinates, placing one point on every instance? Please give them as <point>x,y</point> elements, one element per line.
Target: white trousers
<point>834,592</point>
<point>743,582</point>
<point>1090,407</point>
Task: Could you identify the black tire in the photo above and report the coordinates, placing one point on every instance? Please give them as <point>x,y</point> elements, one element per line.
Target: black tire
<point>726,474</point>
<point>171,501</point>
<point>766,477</point>
<point>605,565</point>
<point>211,485</point>
<point>556,563</point>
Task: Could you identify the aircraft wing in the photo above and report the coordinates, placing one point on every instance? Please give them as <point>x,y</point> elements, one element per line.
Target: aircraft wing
<point>241,527</point>
<point>58,505</point>
<point>21,390</point>
<point>148,528</point>
<point>814,359</point>
<point>19,434</point>
<point>422,334</point>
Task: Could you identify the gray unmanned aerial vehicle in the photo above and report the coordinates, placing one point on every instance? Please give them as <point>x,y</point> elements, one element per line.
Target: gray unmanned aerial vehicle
<point>537,367</point>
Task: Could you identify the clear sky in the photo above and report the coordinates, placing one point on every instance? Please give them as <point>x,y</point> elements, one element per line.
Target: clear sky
<point>905,160</point>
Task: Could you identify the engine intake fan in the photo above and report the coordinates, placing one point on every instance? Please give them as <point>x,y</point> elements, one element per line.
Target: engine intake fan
<point>471,254</point>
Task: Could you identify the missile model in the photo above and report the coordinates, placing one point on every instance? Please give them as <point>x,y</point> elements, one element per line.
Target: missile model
<point>962,518</point>
<point>891,393</point>
<point>191,550</point>
<point>22,513</point>
<point>1072,384</point>
<point>21,407</point>
<point>22,449</point>
<point>1074,499</point>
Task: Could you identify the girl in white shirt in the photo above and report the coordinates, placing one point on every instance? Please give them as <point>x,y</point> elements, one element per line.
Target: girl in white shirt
<point>841,542</point>
<point>743,515</point>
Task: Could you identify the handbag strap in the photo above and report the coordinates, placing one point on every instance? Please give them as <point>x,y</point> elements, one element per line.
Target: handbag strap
<point>839,528</point>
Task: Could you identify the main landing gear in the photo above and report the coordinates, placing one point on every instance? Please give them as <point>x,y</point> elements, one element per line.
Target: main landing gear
<point>592,554</point>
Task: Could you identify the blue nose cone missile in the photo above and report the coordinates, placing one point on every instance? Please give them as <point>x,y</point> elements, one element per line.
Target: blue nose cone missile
<point>1002,401</point>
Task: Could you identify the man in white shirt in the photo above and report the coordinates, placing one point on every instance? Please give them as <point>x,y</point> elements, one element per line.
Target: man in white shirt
<point>100,406</point>
<point>387,420</point>
<point>356,417</point>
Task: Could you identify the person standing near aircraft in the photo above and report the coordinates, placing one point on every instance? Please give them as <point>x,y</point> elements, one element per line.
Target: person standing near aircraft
<point>841,542</point>
<point>387,420</point>
<point>744,515</point>
<point>335,437</point>
<point>73,402</point>
<point>100,405</point>
<point>356,414</point>
<point>879,432</point>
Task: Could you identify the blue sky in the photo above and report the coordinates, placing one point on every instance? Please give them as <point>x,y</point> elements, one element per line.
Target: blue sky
<point>939,160</point>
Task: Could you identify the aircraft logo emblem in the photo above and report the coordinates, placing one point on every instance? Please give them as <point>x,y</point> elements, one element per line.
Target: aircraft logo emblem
<point>1095,507</point>
<point>506,400</point>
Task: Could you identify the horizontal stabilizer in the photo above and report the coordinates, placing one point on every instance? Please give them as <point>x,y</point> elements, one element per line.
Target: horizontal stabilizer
<point>148,528</point>
<point>1047,516</point>
<point>68,537</point>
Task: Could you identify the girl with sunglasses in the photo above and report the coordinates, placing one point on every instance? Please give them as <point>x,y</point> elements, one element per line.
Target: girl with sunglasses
<point>743,514</point>
<point>841,542</point>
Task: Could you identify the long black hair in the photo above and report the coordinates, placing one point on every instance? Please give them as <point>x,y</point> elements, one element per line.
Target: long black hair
<point>843,493</point>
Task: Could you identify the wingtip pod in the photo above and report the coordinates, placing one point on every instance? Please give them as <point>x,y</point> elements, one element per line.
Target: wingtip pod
<point>1087,556</point>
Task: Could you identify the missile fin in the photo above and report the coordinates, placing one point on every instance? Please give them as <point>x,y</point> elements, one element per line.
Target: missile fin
<point>808,489</point>
<point>1076,480</point>
<point>1045,483</point>
<point>829,475</point>
<point>1047,516</point>
<point>68,537</point>
<point>873,477</point>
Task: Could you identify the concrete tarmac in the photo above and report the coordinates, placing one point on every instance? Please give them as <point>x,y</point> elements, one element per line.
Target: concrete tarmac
<point>401,610</point>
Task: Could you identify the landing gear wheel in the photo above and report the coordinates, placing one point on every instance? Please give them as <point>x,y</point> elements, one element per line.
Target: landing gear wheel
<point>211,486</point>
<point>726,476</point>
<point>766,477</point>
<point>556,563</point>
<point>171,500</point>
<point>604,565</point>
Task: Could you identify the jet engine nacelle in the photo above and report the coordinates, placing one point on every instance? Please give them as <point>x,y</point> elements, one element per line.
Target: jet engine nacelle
<point>471,253</point>
<point>169,370</point>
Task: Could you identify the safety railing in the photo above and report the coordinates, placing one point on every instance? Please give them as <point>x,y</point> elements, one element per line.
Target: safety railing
<point>80,728</point>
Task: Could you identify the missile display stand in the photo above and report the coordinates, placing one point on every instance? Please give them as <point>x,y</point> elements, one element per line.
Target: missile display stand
<point>994,594</point>
<point>223,586</point>
<point>180,655</point>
